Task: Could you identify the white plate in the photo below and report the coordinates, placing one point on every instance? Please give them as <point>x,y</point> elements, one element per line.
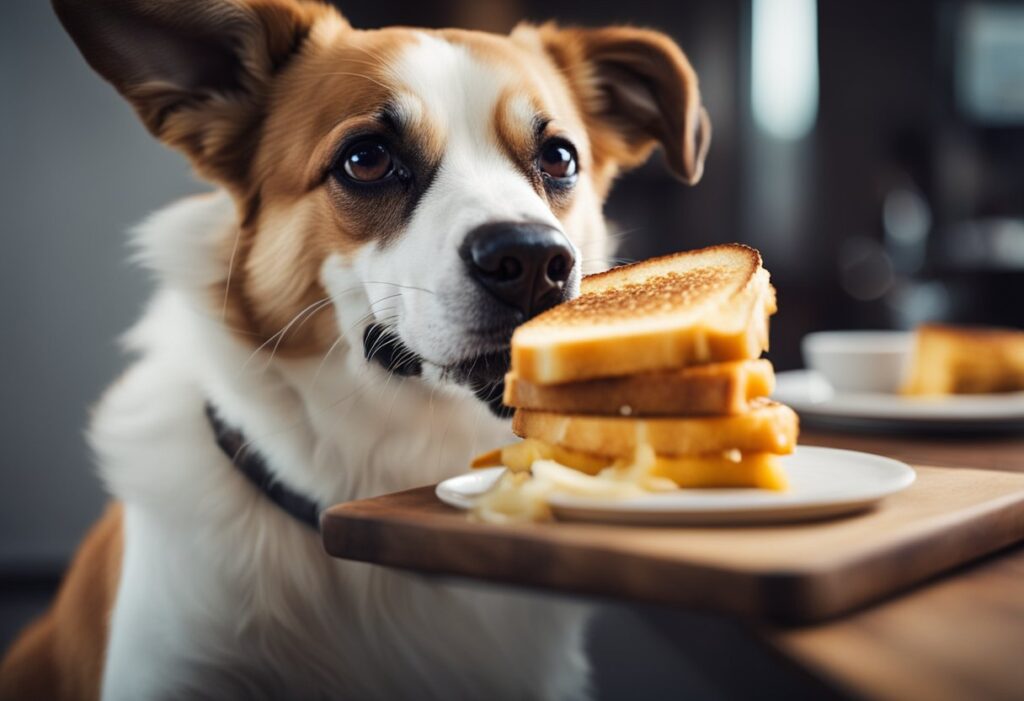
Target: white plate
<point>823,482</point>
<point>813,398</point>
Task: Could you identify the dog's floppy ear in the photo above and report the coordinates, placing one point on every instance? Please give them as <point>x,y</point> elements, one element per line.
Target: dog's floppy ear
<point>196,71</point>
<point>636,89</point>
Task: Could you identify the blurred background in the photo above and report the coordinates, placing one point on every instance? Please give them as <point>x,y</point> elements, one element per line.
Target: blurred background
<point>872,150</point>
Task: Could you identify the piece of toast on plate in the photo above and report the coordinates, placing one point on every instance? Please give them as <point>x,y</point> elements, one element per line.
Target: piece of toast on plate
<point>709,305</point>
<point>965,360</point>
<point>695,390</point>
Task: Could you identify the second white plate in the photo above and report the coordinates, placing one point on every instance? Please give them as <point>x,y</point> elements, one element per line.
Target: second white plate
<point>813,398</point>
<point>823,482</point>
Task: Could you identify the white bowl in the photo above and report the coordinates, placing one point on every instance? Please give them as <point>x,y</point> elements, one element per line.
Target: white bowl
<point>860,361</point>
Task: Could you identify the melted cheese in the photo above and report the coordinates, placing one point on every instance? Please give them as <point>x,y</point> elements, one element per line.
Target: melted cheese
<point>537,470</point>
<point>731,469</point>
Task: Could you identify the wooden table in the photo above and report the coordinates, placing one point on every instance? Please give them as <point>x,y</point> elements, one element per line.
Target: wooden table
<point>958,636</point>
<point>961,637</point>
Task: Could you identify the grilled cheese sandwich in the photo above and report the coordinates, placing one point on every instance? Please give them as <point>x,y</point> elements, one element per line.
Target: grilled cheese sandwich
<point>649,381</point>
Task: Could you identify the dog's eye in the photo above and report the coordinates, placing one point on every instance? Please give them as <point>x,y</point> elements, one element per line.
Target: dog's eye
<point>368,161</point>
<point>558,160</point>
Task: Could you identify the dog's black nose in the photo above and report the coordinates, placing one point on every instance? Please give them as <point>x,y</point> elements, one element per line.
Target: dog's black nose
<point>524,265</point>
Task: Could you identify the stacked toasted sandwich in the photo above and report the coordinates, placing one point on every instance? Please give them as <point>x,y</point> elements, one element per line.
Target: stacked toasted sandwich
<point>656,363</point>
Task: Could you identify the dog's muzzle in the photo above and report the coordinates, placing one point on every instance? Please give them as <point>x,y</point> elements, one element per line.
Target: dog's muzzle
<point>483,374</point>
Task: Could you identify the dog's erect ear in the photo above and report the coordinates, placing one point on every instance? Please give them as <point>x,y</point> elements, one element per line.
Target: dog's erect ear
<point>636,90</point>
<point>196,71</point>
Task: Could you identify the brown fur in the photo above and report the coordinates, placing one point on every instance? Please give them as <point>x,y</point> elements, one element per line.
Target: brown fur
<point>60,656</point>
<point>516,139</point>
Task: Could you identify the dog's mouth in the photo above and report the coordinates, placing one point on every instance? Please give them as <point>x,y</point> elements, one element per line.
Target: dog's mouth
<point>485,375</point>
<point>482,372</point>
<point>382,345</point>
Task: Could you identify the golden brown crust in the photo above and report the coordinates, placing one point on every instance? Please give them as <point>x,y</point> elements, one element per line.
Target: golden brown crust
<point>658,294</point>
<point>751,254</point>
<point>708,305</point>
<point>695,307</point>
<point>768,427</point>
<point>713,389</point>
<point>60,656</point>
<point>656,286</point>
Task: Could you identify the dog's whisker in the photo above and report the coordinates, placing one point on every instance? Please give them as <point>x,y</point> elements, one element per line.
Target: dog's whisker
<point>396,284</point>
<point>341,338</point>
<point>283,330</point>
<point>394,398</point>
<point>231,268</point>
<point>391,374</point>
<point>608,261</point>
<point>378,345</point>
<point>253,439</point>
<point>624,233</point>
<point>355,394</point>
<point>351,395</point>
<point>386,320</point>
<point>371,314</point>
<point>381,342</point>
<point>323,360</point>
<point>404,357</point>
<point>306,315</point>
<point>615,237</point>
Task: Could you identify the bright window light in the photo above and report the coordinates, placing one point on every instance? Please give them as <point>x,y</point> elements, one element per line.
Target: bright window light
<point>784,70</point>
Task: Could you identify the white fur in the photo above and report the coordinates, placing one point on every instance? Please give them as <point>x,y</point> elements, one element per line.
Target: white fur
<point>222,595</point>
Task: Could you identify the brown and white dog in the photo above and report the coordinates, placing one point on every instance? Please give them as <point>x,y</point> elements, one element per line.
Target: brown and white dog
<point>392,204</point>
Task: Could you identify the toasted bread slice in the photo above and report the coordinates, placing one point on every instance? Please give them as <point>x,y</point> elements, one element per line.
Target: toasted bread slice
<point>966,360</point>
<point>768,427</point>
<point>714,389</point>
<point>709,305</point>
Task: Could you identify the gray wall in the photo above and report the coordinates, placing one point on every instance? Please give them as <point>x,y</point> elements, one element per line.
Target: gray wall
<point>76,171</point>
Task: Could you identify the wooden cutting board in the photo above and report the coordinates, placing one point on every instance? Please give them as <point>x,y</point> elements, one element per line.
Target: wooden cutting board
<point>788,573</point>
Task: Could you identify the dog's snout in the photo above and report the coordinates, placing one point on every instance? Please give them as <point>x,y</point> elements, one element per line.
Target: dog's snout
<point>525,265</point>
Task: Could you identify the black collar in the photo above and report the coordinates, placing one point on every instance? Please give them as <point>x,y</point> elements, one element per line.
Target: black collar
<point>254,467</point>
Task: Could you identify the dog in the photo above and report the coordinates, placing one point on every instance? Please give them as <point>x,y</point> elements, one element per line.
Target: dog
<point>333,323</point>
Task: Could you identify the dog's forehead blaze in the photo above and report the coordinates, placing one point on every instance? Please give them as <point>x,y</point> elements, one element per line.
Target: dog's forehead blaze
<point>290,225</point>
<point>497,86</point>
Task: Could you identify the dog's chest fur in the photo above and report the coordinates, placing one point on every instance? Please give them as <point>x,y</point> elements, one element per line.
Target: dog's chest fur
<point>223,590</point>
